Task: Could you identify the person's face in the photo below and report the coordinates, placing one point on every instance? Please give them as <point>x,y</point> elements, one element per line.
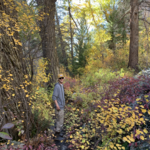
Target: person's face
<point>61,79</point>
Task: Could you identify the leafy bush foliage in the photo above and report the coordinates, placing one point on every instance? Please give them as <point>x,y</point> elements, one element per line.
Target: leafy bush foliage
<point>103,76</point>
<point>70,86</point>
<point>117,117</point>
<point>5,135</point>
<point>42,103</point>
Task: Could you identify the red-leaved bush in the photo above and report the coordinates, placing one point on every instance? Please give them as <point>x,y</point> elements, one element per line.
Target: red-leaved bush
<point>70,83</point>
<point>124,101</point>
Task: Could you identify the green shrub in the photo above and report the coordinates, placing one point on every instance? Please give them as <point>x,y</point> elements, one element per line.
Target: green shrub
<point>103,76</point>
<point>42,109</point>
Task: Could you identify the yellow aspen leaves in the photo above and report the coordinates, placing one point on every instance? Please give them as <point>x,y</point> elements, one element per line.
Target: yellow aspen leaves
<point>133,115</point>
<point>115,95</point>
<point>143,110</point>
<point>142,137</point>
<point>105,148</point>
<point>146,96</point>
<point>120,131</point>
<point>26,76</point>
<point>138,99</point>
<point>115,109</point>
<point>125,139</point>
<point>119,146</point>
<point>87,142</point>
<point>19,43</point>
<point>141,106</point>
<point>142,120</point>
<point>138,132</point>
<point>131,139</point>
<point>111,145</point>
<point>82,146</point>
<point>145,131</point>
<point>140,114</point>
<point>93,130</point>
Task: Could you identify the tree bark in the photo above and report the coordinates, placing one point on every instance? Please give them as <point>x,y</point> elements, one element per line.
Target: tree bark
<point>11,62</point>
<point>65,62</point>
<point>47,33</point>
<point>134,35</point>
<point>71,33</point>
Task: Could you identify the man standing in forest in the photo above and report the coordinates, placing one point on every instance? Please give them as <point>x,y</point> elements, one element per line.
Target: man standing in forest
<point>59,99</point>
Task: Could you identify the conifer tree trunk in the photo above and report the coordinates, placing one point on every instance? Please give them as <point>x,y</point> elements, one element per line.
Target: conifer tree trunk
<point>47,33</point>
<point>134,35</point>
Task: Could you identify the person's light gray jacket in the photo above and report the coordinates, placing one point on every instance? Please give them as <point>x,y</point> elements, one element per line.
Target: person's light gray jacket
<point>58,94</point>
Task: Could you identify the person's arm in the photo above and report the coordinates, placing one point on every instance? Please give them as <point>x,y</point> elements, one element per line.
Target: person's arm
<point>57,106</point>
<point>54,97</point>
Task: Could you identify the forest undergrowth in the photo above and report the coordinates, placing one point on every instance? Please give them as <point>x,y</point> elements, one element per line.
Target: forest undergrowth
<point>105,111</point>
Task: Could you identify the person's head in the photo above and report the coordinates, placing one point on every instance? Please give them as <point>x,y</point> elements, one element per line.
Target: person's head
<point>60,78</point>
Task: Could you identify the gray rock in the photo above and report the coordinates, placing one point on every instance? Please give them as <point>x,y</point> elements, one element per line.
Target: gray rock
<point>143,72</point>
<point>142,145</point>
<point>63,147</point>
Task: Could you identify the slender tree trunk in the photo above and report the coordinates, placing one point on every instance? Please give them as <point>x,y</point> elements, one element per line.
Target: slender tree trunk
<point>65,62</point>
<point>112,44</point>
<point>47,33</point>
<point>134,35</point>
<point>71,33</point>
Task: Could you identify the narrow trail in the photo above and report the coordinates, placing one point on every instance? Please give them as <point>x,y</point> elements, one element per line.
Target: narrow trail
<point>62,145</point>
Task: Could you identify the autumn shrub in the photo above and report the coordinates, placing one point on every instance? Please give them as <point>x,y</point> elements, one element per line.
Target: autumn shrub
<point>116,119</point>
<point>93,86</point>
<point>42,106</point>
<point>103,76</point>
<point>70,86</point>
<point>41,142</point>
<point>42,110</point>
<point>121,56</point>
